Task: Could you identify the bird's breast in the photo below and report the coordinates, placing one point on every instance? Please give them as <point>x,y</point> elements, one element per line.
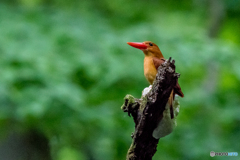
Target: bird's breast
<point>149,69</point>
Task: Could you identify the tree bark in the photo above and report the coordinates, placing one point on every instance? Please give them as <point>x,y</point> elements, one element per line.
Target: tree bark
<point>147,112</point>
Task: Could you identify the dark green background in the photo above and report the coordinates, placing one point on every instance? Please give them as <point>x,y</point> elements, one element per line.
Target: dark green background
<point>65,68</point>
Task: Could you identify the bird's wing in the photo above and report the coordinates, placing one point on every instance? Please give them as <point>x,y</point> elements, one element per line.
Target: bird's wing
<point>157,61</point>
<point>177,89</point>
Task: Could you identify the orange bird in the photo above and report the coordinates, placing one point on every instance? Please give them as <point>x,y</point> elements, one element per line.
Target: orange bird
<point>152,60</point>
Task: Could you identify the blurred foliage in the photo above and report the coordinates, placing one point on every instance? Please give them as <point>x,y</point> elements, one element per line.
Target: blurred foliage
<point>65,68</point>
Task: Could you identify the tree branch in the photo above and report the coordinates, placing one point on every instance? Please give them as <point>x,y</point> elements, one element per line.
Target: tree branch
<point>147,112</point>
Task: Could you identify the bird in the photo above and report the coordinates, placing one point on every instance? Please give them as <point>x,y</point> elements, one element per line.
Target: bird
<point>152,60</point>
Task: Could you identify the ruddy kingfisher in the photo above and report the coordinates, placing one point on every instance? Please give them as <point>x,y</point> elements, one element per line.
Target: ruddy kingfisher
<point>152,60</point>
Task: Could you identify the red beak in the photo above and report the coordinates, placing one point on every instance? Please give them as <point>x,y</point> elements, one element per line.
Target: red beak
<point>137,45</point>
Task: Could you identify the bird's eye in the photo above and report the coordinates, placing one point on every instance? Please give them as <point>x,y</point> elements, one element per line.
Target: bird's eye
<point>150,44</point>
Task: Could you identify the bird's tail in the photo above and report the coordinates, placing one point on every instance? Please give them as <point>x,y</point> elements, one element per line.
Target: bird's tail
<point>170,102</point>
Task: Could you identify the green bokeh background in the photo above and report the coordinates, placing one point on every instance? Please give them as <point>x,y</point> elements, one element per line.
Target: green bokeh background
<point>65,68</point>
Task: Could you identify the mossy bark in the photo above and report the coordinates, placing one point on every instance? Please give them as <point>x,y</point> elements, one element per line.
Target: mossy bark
<point>147,112</point>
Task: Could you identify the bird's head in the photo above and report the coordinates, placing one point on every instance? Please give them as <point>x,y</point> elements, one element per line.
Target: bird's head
<point>149,48</point>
